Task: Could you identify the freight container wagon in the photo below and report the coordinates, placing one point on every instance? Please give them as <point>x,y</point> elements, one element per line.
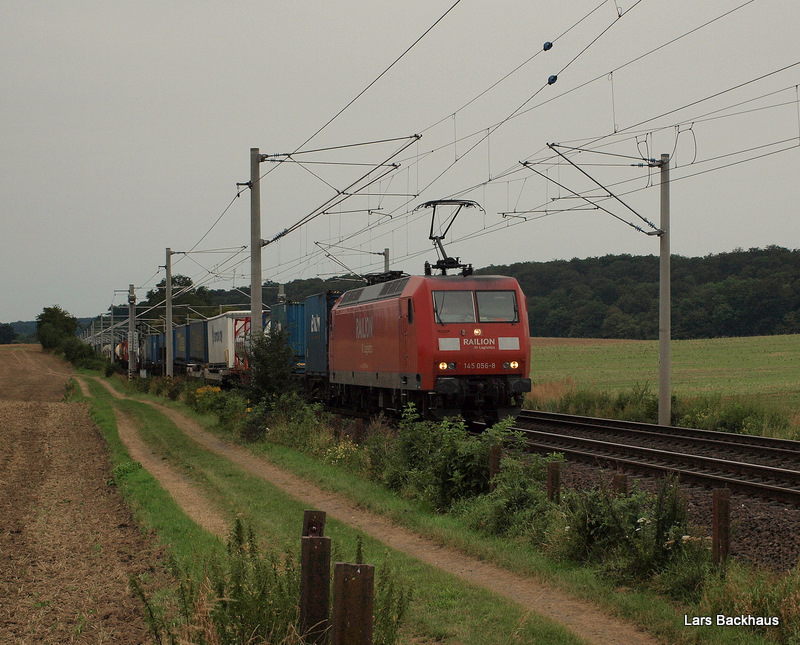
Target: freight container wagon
<point>290,317</point>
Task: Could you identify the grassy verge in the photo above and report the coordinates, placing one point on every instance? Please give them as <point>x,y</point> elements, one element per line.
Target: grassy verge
<point>444,608</point>
<point>660,616</point>
<point>153,507</point>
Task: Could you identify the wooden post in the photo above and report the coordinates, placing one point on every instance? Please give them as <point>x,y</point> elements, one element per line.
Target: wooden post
<point>495,454</point>
<point>358,431</point>
<point>720,525</point>
<point>315,584</point>
<point>619,485</point>
<point>353,588</point>
<point>314,523</point>
<point>554,481</point>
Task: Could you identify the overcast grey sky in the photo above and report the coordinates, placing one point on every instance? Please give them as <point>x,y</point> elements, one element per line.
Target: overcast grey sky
<point>126,126</point>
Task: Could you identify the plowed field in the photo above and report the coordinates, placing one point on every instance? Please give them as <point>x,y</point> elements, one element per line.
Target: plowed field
<point>68,544</point>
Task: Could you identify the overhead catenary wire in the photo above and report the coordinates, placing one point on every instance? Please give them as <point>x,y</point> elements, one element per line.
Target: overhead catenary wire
<point>506,176</point>
<point>489,131</point>
<point>332,119</point>
<point>560,71</point>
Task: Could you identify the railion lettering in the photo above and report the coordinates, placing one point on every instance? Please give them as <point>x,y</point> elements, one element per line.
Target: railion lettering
<point>482,342</point>
<point>364,327</point>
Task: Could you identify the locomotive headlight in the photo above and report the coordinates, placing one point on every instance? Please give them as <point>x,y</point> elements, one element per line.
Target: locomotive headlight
<point>442,365</point>
<point>477,332</point>
<point>514,365</point>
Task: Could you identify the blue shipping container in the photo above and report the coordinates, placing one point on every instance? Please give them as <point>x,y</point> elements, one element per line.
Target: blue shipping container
<point>289,317</point>
<point>198,342</point>
<point>182,344</point>
<point>317,314</point>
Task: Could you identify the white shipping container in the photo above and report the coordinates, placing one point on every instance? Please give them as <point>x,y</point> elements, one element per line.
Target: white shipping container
<point>222,339</point>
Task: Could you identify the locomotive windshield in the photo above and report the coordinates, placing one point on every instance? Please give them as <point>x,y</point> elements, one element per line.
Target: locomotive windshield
<point>459,306</point>
<point>497,306</point>
<point>453,306</point>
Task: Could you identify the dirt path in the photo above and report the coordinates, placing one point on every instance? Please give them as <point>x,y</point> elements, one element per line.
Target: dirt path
<point>188,496</point>
<point>581,617</point>
<point>68,543</point>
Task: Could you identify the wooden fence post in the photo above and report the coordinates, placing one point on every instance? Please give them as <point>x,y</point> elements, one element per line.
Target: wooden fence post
<point>314,523</point>
<point>315,584</point>
<point>358,431</point>
<point>353,588</point>
<point>619,484</point>
<point>720,525</point>
<point>315,578</point>
<point>554,481</point>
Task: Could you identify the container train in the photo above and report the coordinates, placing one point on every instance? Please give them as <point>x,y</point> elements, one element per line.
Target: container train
<point>450,344</point>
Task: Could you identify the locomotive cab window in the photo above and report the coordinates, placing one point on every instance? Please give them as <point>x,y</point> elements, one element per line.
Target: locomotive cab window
<point>453,307</point>
<point>497,306</point>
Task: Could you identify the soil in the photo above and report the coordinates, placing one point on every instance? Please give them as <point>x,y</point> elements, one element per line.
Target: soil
<point>68,543</point>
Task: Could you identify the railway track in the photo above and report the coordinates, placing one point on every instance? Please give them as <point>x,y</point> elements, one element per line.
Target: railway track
<point>752,465</point>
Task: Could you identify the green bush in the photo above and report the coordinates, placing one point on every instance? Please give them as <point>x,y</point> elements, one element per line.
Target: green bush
<point>295,423</point>
<point>254,427</point>
<point>272,369</point>
<point>632,537</point>
<point>230,407</point>
<point>438,463</point>
<point>685,576</point>
<point>517,506</point>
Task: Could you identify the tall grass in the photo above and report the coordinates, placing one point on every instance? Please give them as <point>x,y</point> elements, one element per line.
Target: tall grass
<point>743,415</point>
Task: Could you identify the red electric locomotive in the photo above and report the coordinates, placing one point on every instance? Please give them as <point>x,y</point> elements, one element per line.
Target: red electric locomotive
<point>449,344</point>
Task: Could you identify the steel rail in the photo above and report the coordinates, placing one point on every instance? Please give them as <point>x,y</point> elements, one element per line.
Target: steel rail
<point>782,484</point>
<point>674,431</point>
<point>774,449</point>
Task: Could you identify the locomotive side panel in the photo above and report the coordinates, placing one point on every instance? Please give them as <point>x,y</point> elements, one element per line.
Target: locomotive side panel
<point>366,348</point>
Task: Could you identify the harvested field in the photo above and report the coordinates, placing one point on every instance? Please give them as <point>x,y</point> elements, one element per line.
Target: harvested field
<point>68,543</point>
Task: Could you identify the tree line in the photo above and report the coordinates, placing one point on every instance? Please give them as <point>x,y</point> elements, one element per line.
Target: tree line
<point>741,293</point>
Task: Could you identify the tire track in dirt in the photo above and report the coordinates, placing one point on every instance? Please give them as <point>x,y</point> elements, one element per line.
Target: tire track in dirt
<point>583,618</point>
<point>187,495</point>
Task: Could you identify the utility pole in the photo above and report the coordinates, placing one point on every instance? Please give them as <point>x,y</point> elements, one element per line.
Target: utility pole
<point>664,305</point>
<point>131,332</point>
<point>170,352</point>
<point>255,245</point>
<point>386,260</point>
<point>111,330</point>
